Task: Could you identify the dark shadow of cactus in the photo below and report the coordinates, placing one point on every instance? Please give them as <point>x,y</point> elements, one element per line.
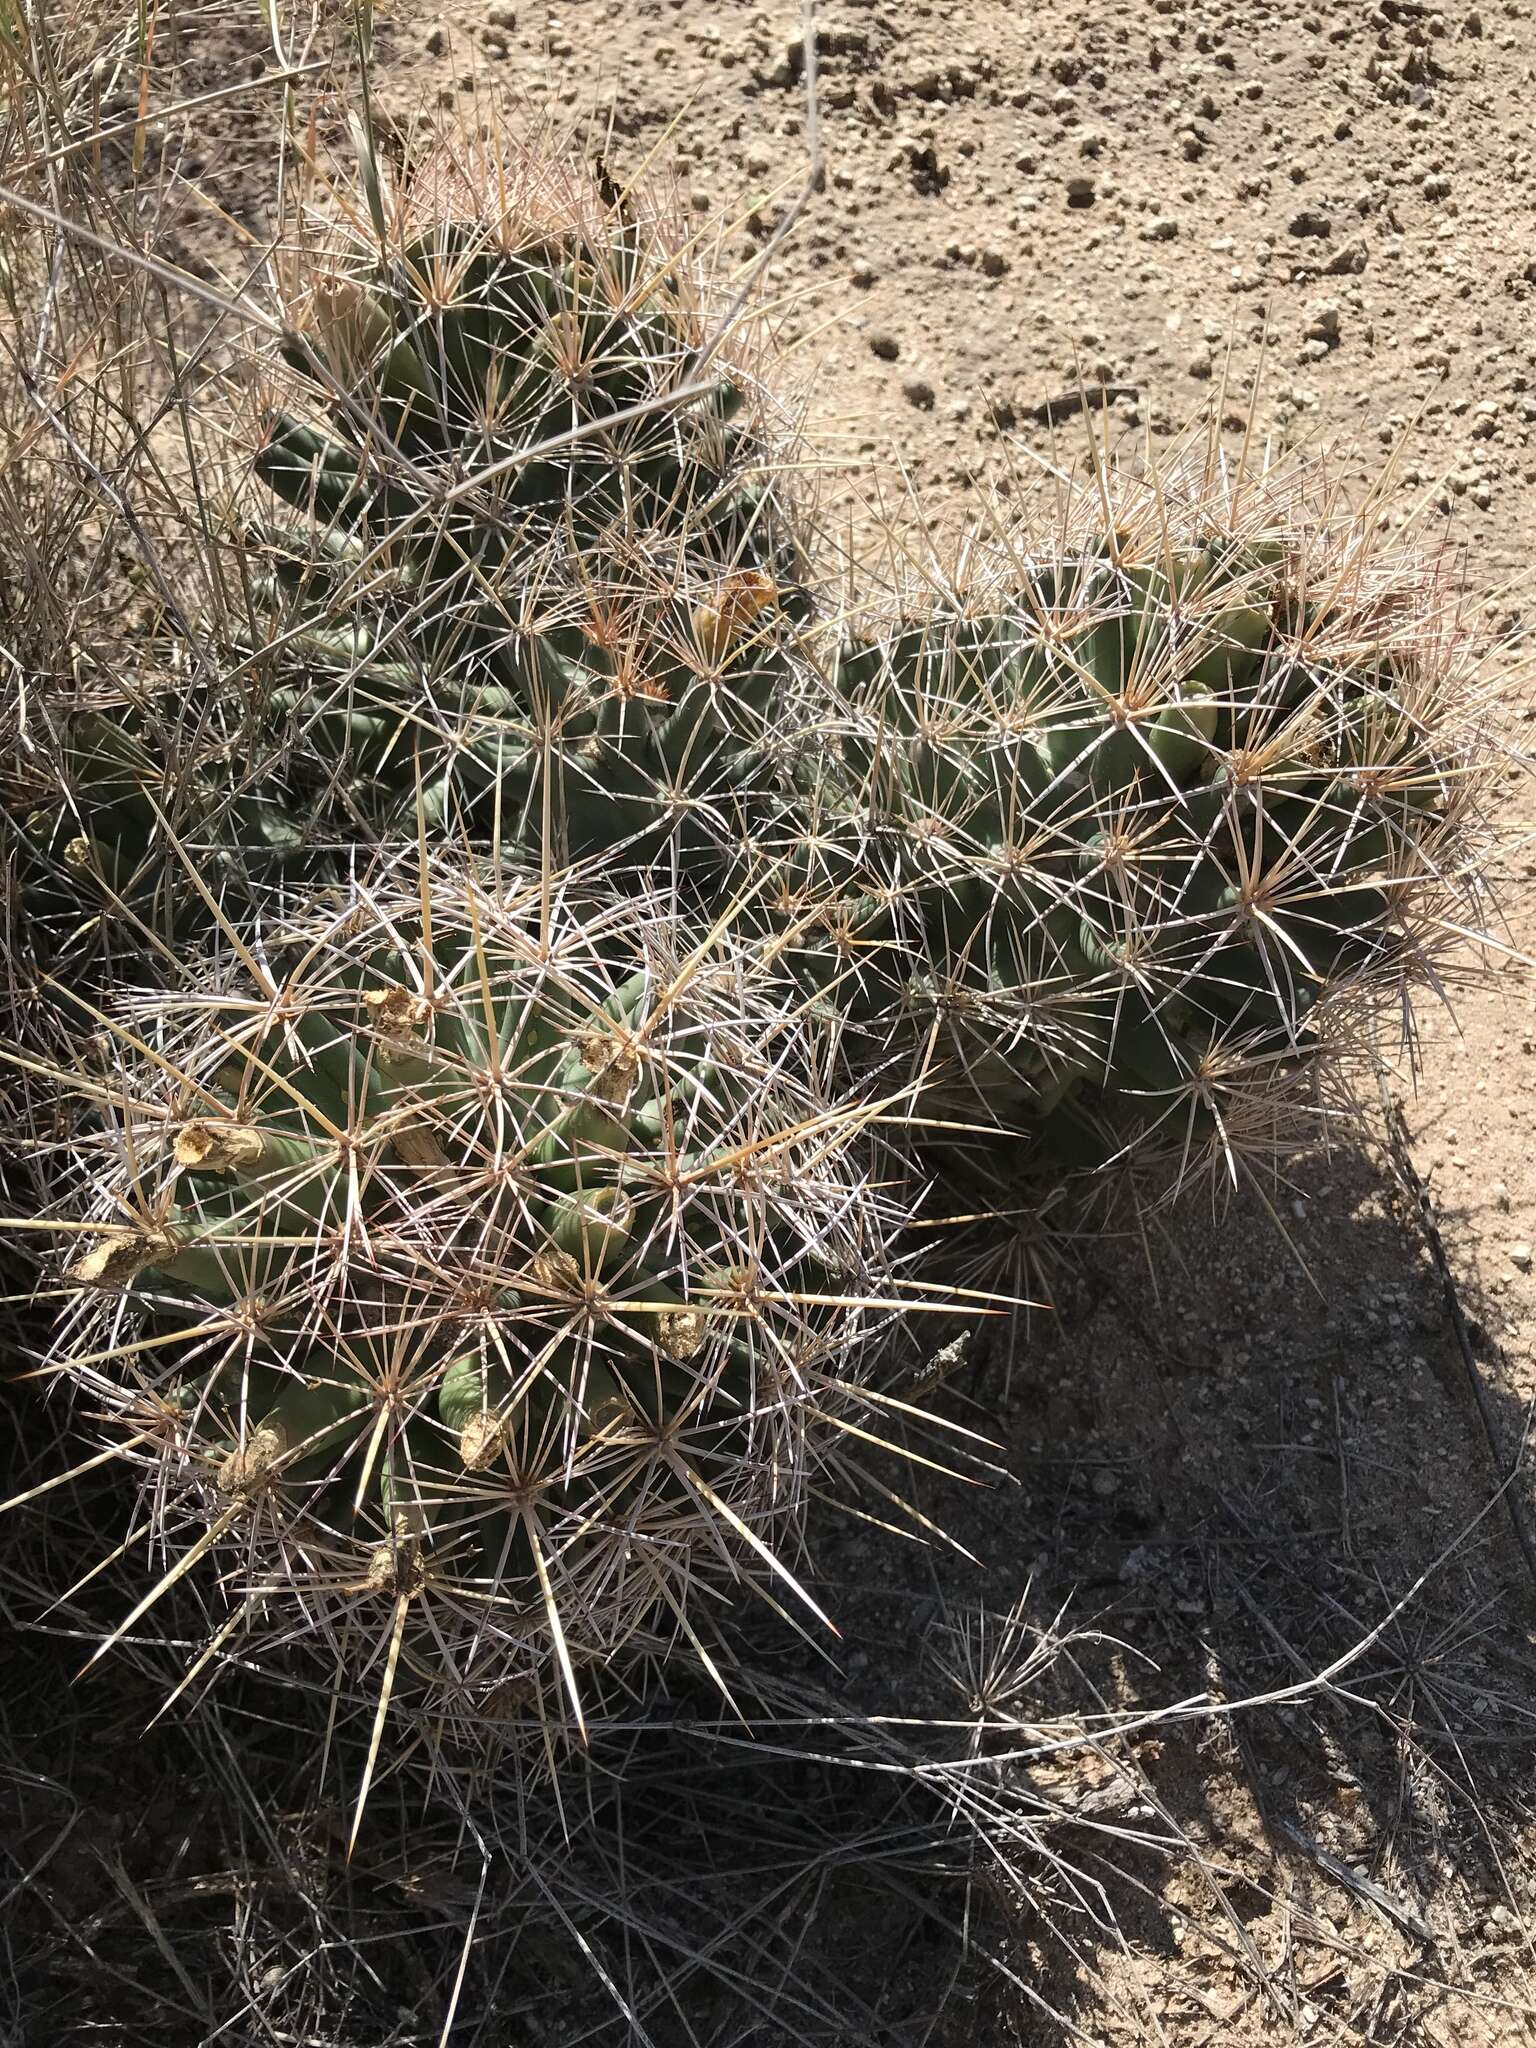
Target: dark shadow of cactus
<point>1215,1480</point>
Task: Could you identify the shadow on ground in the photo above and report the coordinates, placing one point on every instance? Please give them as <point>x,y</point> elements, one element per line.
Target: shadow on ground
<point>1239,1464</point>
<point>1250,1464</point>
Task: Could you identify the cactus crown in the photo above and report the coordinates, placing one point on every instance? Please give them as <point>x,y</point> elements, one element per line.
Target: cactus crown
<point>535,580</point>
<point>1114,817</point>
<point>490,1257</point>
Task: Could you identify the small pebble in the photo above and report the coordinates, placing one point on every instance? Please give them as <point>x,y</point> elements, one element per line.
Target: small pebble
<point>1350,260</point>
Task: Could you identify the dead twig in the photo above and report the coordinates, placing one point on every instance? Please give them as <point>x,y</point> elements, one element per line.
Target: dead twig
<point>1362,1887</point>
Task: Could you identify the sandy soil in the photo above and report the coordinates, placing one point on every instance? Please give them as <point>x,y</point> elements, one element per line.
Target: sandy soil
<point>1238,1457</point>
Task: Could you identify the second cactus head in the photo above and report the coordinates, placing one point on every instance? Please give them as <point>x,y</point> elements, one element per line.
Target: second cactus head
<point>1127,830</point>
<point>534,577</point>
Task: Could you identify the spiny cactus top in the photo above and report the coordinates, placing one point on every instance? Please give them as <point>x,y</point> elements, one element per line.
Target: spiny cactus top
<point>1115,819</point>
<point>484,1257</point>
<point>536,579</point>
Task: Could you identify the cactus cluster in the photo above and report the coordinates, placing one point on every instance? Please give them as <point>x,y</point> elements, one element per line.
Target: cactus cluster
<point>485,1265</point>
<point>483,1253</point>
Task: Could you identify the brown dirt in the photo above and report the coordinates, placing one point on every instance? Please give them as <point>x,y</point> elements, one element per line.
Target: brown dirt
<point>1238,1456</point>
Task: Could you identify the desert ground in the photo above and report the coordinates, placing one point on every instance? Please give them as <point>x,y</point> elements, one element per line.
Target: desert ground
<point>1273,1439</point>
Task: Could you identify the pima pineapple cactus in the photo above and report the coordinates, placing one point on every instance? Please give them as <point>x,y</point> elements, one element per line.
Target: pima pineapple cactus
<point>518,564</point>
<point>485,1275</point>
<point>1128,826</point>
<point>535,580</point>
